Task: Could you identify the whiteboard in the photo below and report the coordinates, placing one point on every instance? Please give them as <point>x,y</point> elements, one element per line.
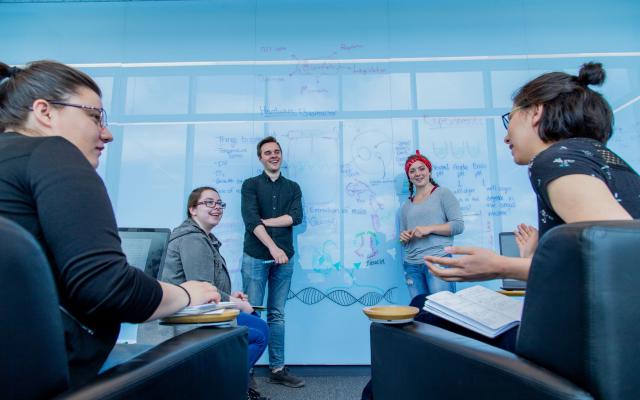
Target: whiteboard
<point>350,89</point>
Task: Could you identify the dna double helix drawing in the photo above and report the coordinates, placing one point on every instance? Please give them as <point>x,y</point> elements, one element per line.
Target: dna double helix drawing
<point>311,295</point>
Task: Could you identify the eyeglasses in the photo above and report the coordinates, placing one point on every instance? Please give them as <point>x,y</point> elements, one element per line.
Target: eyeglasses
<point>212,204</point>
<point>506,117</point>
<point>101,119</point>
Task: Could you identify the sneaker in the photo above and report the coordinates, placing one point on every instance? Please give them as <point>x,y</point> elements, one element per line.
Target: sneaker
<point>255,395</point>
<point>283,377</point>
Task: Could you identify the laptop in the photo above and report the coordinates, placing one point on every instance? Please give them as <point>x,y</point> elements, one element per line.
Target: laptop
<point>509,248</point>
<point>145,248</point>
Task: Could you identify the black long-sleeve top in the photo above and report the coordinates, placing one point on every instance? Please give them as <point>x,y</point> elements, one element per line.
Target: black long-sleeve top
<point>48,187</point>
<point>263,198</point>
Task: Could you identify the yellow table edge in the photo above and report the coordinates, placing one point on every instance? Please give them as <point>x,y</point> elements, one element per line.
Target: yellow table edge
<point>390,313</point>
<point>227,315</point>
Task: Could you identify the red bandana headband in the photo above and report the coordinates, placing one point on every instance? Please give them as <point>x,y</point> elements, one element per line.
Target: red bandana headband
<point>419,157</point>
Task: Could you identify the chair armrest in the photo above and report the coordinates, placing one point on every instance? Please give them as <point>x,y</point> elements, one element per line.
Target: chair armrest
<point>203,363</point>
<point>423,361</point>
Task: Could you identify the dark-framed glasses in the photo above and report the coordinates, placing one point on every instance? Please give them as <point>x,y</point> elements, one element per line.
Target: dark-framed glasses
<point>506,117</point>
<point>212,204</point>
<point>100,117</point>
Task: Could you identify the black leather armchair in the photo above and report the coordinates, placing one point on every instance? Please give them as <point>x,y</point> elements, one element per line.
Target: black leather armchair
<point>202,363</point>
<point>578,338</point>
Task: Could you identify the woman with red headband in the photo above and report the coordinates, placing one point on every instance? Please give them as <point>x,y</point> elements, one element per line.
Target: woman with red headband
<point>428,221</point>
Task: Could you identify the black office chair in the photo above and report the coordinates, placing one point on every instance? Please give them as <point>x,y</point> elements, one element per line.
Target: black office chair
<point>34,359</point>
<point>578,338</point>
<point>202,363</point>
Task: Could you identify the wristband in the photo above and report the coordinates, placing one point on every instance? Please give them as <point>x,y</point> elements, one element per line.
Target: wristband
<point>188,295</point>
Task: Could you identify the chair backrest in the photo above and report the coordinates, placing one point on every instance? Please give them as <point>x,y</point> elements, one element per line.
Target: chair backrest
<point>33,359</point>
<point>581,316</point>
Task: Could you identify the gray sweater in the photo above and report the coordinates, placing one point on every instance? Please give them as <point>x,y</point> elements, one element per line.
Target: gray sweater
<point>439,208</point>
<point>194,255</point>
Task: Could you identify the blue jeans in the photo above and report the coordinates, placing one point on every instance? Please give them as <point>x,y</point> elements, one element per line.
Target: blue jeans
<point>258,336</point>
<point>420,281</point>
<point>255,275</point>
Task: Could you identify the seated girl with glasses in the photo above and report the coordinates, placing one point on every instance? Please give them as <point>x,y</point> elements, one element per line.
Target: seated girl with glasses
<point>193,253</point>
<point>52,133</point>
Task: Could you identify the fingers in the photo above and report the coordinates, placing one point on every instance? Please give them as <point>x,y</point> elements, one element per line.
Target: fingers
<point>447,274</point>
<point>461,249</point>
<point>525,230</point>
<point>405,236</point>
<point>448,261</point>
<point>216,297</point>
<point>521,234</point>
<point>215,294</point>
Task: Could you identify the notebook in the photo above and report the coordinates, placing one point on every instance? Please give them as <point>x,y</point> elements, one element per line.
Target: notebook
<point>509,248</point>
<point>145,248</point>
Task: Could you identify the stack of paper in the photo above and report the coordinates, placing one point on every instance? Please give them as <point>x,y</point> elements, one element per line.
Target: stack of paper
<point>210,308</point>
<point>477,308</point>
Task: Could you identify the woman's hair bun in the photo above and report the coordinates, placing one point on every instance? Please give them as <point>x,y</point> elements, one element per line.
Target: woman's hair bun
<point>4,71</point>
<point>591,74</point>
<point>7,71</point>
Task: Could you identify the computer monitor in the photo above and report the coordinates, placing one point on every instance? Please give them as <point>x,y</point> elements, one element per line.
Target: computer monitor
<point>145,248</point>
<point>509,248</point>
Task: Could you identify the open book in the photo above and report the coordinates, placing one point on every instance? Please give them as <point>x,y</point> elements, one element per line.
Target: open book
<point>210,308</point>
<point>477,308</point>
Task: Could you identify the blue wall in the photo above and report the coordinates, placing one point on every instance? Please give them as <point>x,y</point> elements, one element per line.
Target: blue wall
<point>350,89</point>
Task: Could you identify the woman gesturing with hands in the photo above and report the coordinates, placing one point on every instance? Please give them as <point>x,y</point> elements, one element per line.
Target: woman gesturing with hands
<point>429,219</point>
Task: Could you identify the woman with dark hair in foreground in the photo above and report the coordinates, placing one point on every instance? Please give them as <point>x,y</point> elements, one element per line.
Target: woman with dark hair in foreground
<point>53,130</point>
<point>559,127</point>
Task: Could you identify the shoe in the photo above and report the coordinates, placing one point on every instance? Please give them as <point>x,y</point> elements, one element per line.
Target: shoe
<point>283,377</point>
<point>255,395</point>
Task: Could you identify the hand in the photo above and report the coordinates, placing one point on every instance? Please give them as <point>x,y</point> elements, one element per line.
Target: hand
<point>478,264</point>
<point>240,295</point>
<point>201,292</point>
<point>279,255</point>
<point>405,236</point>
<point>422,231</point>
<point>242,305</point>
<point>527,240</point>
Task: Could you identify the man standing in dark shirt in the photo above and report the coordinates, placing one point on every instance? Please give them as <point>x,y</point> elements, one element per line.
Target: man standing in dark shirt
<point>271,206</point>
